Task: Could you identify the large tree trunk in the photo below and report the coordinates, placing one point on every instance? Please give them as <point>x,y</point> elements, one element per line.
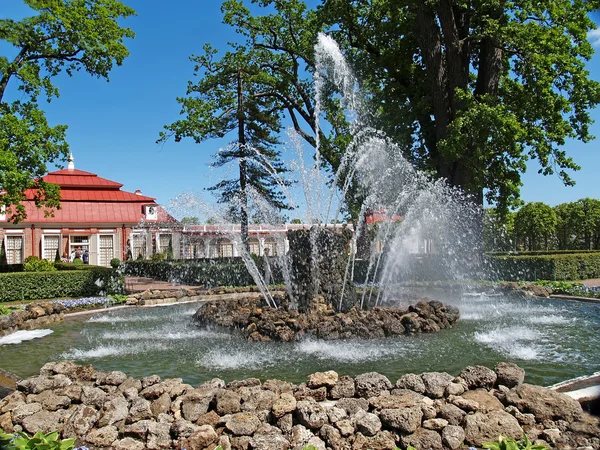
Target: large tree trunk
<point>243,165</point>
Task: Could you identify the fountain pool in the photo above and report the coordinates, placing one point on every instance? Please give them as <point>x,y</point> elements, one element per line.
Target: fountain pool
<point>551,339</point>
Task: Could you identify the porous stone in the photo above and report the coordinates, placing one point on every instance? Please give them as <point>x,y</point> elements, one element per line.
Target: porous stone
<point>49,400</point>
<point>435,383</point>
<point>406,419</point>
<point>159,436</point>
<point>103,437</point>
<point>509,374</point>
<point>344,388</point>
<point>486,401</point>
<point>435,424</point>
<point>128,444</point>
<point>286,403</point>
<point>310,414</point>
<point>545,404</point>
<point>36,385</point>
<point>80,421</point>
<point>480,427</point>
<point>453,436</point>
<point>368,424</point>
<point>23,410</point>
<point>114,411</point>
<point>228,402</point>
<point>423,439</point>
<point>411,381</point>
<point>453,414</point>
<point>243,424</point>
<point>318,379</point>
<point>371,384</point>
<point>44,421</point>
<point>478,377</point>
<point>139,410</point>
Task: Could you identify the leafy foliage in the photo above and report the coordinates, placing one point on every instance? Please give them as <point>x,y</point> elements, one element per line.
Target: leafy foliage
<point>34,264</point>
<point>507,443</point>
<point>535,224</point>
<point>578,266</point>
<point>63,283</point>
<point>65,36</point>
<point>39,441</point>
<point>473,90</point>
<point>115,262</point>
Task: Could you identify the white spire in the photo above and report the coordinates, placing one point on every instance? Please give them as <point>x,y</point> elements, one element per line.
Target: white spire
<point>71,165</point>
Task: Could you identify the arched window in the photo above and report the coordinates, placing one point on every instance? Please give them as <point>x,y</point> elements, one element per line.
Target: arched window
<point>254,246</point>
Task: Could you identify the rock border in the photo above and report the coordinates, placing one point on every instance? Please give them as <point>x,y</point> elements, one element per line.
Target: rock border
<point>435,410</point>
<point>258,322</point>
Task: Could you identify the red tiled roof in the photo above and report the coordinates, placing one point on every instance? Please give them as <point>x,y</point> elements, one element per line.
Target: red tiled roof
<point>87,212</point>
<point>99,195</point>
<point>85,181</point>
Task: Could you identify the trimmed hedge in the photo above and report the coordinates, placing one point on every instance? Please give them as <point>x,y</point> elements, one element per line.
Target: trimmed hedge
<point>541,252</point>
<point>565,267</point>
<point>202,272</point>
<point>47,285</point>
<point>8,268</point>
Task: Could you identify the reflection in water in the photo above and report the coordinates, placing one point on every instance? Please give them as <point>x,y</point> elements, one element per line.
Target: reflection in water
<point>553,340</point>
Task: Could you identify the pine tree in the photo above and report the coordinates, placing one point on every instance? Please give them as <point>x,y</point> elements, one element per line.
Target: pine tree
<point>230,98</point>
<point>3,260</point>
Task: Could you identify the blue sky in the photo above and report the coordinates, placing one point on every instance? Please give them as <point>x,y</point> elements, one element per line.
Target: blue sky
<point>113,126</point>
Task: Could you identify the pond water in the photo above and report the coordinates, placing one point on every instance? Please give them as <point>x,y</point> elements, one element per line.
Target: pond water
<point>552,340</point>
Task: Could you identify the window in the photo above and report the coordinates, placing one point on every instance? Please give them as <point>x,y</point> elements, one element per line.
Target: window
<point>254,246</point>
<point>76,241</point>
<point>271,246</point>
<point>194,249</point>
<point>224,248</point>
<point>138,245</point>
<point>14,249</point>
<point>163,242</point>
<point>51,244</point>
<point>105,250</point>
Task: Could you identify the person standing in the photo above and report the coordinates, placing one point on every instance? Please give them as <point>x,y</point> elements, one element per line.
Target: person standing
<point>86,257</point>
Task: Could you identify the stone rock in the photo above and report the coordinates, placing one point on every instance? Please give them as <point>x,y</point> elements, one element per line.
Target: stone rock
<point>453,414</point>
<point>406,420</point>
<point>50,401</point>
<point>478,377</point>
<point>159,435</point>
<point>228,402</point>
<point>181,428</point>
<point>352,405</point>
<point>371,384</point>
<point>300,436</point>
<point>286,422</point>
<point>196,403</point>
<point>344,388</point>
<point>115,378</point>
<point>480,427</point>
<point>153,391</point>
<point>336,414</point>
<point>509,374</point>
<point>139,410</point>
<point>484,399</point>
<point>80,421</point>
<point>544,403</point>
<point>93,396</point>
<point>6,422</point>
<point>248,382</point>
<point>318,379</point>
<point>399,399</point>
<point>332,437</point>
<point>161,405</point>
<point>130,383</point>
<point>423,439</point>
<point>44,421</point>
<point>215,383</point>
<point>128,444</point>
<point>345,426</point>
<point>258,400</point>
<point>412,382</point>
<point>463,403</point>
<point>36,385</point>
<point>210,418</point>
<point>454,389</point>
<point>269,442</point>
<point>303,392</point>
<point>453,436</point>
<point>23,410</point>
<point>224,442</point>
<point>384,440</point>
<point>435,383</point>
<point>435,424</point>
<point>243,424</point>
<point>137,430</point>
<point>277,386</point>
<point>115,410</point>
<point>240,442</point>
<point>523,419</point>
<point>103,437</point>
<point>286,403</point>
<point>149,381</point>
<point>311,414</point>
<point>368,424</point>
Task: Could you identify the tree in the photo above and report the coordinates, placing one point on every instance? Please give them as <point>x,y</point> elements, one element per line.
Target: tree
<point>3,259</point>
<point>587,223</point>
<point>535,225</point>
<point>190,221</point>
<point>473,90</point>
<point>567,216</point>
<point>65,36</point>
<point>498,230</point>
<point>229,98</point>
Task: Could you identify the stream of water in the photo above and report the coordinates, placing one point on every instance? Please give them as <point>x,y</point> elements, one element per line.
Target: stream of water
<point>552,340</point>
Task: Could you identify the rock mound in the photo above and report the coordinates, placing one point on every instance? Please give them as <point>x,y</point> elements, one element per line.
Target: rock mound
<point>263,323</point>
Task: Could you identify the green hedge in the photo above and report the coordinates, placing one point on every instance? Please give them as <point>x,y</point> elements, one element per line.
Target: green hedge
<point>11,268</point>
<point>47,285</point>
<point>564,267</point>
<point>201,272</point>
<point>541,252</point>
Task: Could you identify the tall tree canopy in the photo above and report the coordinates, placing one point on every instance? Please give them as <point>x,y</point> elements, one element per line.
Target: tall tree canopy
<point>232,95</point>
<point>64,36</point>
<point>474,89</point>
<point>535,226</point>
